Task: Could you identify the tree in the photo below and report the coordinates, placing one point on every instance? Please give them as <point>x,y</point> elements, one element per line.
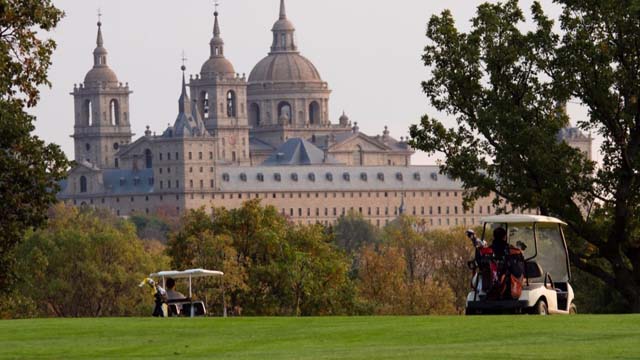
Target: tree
<point>196,246</point>
<point>450,252</point>
<point>436,262</point>
<point>505,88</point>
<point>29,169</point>
<point>318,273</point>
<point>85,263</point>
<point>352,232</point>
<point>381,285</point>
<point>271,267</point>
<point>151,227</point>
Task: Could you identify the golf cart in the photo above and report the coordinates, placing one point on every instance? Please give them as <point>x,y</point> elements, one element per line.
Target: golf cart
<point>537,246</point>
<point>181,307</point>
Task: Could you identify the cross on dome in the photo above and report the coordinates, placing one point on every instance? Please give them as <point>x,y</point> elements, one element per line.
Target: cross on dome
<point>184,61</point>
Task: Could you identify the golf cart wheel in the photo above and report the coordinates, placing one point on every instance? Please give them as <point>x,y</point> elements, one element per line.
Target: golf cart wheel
<point>573,310</point>
<point>540,308</point>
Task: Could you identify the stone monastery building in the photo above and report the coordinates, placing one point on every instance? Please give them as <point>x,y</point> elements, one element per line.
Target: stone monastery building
<point>268,137</point>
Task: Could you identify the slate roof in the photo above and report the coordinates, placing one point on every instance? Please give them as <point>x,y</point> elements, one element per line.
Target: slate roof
<point>298,151</point>
<point>256,144</point>
<point>339,138</point>
<point>119,181</point>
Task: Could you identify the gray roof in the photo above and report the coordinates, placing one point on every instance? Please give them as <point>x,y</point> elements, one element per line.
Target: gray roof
<point>391,143</point>
<point>258,145</point>
<point>188,122</point>
<point>334,178</point>
<point>119,181</point>
<point>298,151</point>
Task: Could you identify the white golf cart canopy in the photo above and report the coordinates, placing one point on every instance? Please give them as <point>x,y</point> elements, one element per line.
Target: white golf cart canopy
<point>521,219</point>
<point>187,274</point>
<point>193,273</point>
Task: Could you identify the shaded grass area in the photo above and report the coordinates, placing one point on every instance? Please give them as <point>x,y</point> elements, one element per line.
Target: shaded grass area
<point>523,337</point>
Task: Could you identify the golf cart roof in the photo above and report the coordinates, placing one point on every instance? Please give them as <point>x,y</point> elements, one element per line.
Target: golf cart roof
<point>193,273</point>
<point>521,218</point>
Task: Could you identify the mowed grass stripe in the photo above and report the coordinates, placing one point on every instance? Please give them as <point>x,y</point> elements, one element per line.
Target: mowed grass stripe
<point>523,337</point>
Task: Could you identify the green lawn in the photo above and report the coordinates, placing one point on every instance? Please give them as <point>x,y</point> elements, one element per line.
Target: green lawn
<point>522,337</point>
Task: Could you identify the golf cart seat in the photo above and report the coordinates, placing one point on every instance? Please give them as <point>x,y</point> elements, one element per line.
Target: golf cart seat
<point>183,308</point>
<point>533,270</point>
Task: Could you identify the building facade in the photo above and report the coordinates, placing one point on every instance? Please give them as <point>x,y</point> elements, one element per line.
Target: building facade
<point>268,137</point>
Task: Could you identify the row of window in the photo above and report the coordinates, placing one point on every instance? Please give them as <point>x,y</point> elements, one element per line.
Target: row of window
<point>385,194</point>
<point>439,210</point>
<point>379,211</point>
<point>177,155</point>
<point>328,176</point>
<point>300,212</point>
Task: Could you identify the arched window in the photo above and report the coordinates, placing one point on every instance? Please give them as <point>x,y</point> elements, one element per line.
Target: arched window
<point>254,115</point>
<point>114,112</point>
<point>83,184</point>
<point>148,159</point>
<point>205,104</point>
<point>87,113</point>
<point>314,113</point>
<point>284,113</point>
<point>231,104</point>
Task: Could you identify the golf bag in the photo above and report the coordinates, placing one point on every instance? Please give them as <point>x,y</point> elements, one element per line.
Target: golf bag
<point>160,295</point>
<point>502,277</point>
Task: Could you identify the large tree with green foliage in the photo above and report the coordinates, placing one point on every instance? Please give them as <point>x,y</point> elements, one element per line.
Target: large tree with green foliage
<point>504,85</point>
<point>84,263</point>
<point>353,232</point>
<point>271,267</point>
<point>29,168</point>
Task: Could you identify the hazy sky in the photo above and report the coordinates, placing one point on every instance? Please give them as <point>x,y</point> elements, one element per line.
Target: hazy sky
<point>367,50</point>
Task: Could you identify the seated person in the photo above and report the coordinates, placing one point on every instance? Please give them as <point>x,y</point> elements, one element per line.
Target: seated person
<point>499,244</point>
<point>172,294</point>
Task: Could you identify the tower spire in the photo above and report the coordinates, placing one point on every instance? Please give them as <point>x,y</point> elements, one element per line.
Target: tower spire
<point>183,103</point>
<point>217,44</point>
<point>99,40</point>
<point>283,31</point>
<point>216,24</point>
<point>283,10</point>
<point>100,53</point>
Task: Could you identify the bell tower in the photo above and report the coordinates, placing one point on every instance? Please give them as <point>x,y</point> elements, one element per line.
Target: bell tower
<point>102,124</point>
<point>220,95</point>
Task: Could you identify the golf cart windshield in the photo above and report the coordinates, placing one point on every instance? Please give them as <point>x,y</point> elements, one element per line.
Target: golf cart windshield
<point>552,255</point>
<point>549,251</point>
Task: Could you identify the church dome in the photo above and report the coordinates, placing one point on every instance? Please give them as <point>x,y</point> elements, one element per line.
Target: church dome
<point>344,119</point>
<point>284,63</point>
<point>101,74</point>
<point>283,25</point>
<point>285,67</point>
<point>217,65</point>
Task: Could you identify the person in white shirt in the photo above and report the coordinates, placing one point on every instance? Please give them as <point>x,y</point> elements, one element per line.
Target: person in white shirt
<point>172,294</point>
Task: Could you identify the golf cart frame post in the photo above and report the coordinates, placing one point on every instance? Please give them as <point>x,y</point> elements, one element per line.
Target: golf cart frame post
<point>544,296</point>
<point>190,275</point>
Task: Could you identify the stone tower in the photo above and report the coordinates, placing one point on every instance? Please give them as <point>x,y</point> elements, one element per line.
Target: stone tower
<point>101,113</point>
<point>221,96</point>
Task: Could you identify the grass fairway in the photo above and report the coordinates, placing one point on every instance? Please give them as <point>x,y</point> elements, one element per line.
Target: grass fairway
<point>522,337</point>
